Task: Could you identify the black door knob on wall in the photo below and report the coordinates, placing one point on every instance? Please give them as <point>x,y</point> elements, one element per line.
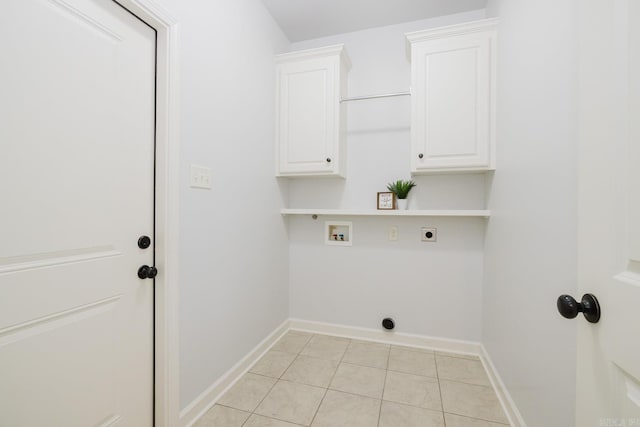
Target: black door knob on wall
<point>589,306</point>
<point>146,272</point>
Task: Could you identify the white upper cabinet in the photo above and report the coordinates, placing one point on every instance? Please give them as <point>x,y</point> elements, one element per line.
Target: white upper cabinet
<point>453,98</point>
<point>310,125</point>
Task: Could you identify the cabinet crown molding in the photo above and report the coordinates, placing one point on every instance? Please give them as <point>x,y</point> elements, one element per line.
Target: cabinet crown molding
<point>337,49</point>
<point>449,31</point>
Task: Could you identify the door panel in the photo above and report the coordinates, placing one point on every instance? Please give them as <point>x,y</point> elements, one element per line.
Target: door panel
<point>76,180</point>
<point>608,365</point>
<point>452,86</point>
<point>307,120</point>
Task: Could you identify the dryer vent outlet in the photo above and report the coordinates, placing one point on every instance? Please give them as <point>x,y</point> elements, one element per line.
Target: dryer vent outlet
<point>388,323</point>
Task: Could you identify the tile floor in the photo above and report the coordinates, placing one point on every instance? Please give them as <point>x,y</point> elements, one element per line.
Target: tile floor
<point>323,381</point>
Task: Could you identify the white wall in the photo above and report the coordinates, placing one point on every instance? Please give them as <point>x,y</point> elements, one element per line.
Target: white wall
<point>234,267</point>
<point>234,264</point>
<point>530,252</point>
<point>429,288</point>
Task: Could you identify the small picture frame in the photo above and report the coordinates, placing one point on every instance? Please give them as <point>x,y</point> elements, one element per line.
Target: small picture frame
<point>386,200</point>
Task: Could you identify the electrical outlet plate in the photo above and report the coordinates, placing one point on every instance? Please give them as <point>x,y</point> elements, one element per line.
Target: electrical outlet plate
<point>429,234</point>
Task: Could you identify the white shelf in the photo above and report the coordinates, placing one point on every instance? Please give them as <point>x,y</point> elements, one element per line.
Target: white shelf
<point>478,213</point>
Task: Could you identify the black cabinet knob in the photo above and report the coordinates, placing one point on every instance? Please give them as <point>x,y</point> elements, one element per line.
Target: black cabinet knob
<point>328,159</point>
<point>146,272</point>
<point>420,155</point>
<point>589,306</point>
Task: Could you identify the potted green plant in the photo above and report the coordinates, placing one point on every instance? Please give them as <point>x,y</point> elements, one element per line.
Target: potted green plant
<point>401,189</point>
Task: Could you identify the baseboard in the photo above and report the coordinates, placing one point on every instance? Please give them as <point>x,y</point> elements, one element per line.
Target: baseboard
<point>411,340</point>
<point>192,412</point>
<point>508,404</point>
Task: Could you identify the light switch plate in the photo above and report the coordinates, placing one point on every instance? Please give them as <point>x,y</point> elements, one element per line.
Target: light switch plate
<point>200,177</point>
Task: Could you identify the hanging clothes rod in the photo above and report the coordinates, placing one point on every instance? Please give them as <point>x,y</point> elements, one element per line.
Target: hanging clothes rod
<point>386,95</point>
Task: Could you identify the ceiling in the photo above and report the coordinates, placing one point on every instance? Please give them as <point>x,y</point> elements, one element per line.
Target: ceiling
<point>310,19</point>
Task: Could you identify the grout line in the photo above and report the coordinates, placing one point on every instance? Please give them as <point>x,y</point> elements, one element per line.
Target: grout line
<point>369,397</point>
<point>467,383</point>
<point>280,419</point>
<point>330,381</point>
<point>413,349</point>
<point>288,367</point>
<point>384,384</point>
<point>479,419</point>
<point>231,407</point>
<point>435,359</point>
<point>277,419</point>
<point>417,375</point>
<point>277,379</point>
<point>264,397</point>
<point>457,356</point>
<point>316,357</point>
<point>236,409</point>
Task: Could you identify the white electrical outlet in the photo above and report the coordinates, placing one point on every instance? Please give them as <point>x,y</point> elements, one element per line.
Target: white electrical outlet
<point>393,233</point>
<point>200,177</point>
<point>429,234</point>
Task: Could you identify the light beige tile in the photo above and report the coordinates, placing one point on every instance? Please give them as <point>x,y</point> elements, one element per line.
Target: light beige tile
<point>412,362</point>
<point>221,416</point>
<point>342,409</point>
<point>311,370</point>
<point>472,401</point>
<point>325,347</point>
<point>292,342</point>
<point>361,380</point>
<point>412,390</point>
<point>462,370</point>
<point>458,421</point>
<point>458,355</point>
<point>260,421</point>
<point>367,354</point>
<point>293,402</point>
<point>397,415</point>
<point>273,363</point>
<point>247,392</point>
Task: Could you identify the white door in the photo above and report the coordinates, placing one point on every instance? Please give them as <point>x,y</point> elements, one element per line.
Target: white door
<point>608,365</point>
<point>76,192</point>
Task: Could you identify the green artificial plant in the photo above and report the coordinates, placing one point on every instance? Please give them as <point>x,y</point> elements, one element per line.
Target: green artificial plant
<point>401,188</point>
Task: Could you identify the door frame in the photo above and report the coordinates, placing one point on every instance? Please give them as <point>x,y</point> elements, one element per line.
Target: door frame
<point>166,351</point>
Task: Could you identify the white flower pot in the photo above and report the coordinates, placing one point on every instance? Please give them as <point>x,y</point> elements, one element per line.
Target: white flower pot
<point>402,204</point>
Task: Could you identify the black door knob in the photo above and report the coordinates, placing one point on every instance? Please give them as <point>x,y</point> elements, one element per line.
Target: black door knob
<point>328,159</point>
<point>420,155</point>
<point>144,242</point>
<point>589,306</point>
<point>146,272</point>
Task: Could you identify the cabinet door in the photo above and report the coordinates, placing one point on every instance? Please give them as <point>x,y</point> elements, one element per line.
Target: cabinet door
<point>307,124</point>
<point>452,81</point>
